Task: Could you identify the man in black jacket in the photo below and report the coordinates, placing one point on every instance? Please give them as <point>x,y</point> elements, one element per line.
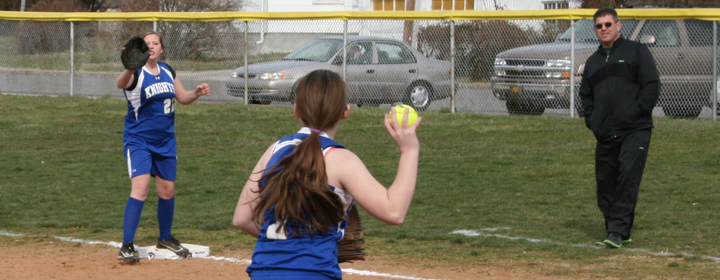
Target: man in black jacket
<point>619,88</point>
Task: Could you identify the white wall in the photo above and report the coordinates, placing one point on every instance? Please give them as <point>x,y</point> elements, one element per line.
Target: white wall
<point>487,5</point>
<point>286,35</point>
<point>367,5</point>
<point>299,5</point>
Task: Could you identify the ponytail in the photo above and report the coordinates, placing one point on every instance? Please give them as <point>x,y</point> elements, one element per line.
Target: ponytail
<point>296,188</point>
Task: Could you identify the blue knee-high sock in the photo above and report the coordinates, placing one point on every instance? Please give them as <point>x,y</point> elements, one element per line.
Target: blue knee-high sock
<point>133,209</point>
<point>165,211</point>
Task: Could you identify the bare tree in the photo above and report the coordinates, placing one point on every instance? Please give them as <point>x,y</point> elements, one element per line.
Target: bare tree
<point>408,26</point>
<point>602,3</point>
<point>48,37</point>
<point>477,43</point>
<point>187,39</point>
<point>14,5</point>
<point>497,6</point>
<point>87,5</point>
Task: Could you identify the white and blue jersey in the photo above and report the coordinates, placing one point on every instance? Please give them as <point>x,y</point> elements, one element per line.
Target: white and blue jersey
<point>149,136</point>
<point>151,114</point>
<point>284,256</point>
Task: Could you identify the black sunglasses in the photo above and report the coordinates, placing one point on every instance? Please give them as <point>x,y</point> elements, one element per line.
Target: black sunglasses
<point>600,25</point>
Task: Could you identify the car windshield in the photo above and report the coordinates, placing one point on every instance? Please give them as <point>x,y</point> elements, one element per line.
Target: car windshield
<point>316,50</point>
<point>585,32</point>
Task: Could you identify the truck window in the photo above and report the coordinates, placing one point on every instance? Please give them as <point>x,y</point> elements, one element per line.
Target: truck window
<point>665,31</point>
<point>700,32</point>
<point>585,32</point>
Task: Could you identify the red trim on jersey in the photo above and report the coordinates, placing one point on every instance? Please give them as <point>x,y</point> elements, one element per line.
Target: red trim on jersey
<point>329,149</point>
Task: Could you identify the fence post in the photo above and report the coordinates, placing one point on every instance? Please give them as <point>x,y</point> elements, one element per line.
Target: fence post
<point>245,68</point>
<point>715,73</point>
<point>452,66</point>
<point>572,68</point>
<point>344,64</point>
<point>72,56</point>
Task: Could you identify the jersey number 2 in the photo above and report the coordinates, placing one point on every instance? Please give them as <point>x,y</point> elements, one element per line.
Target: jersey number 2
<point>169,108</point>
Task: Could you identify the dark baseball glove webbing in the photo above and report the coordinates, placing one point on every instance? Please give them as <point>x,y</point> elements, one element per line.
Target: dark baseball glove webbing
<point>135,53</point>
<point>352,246</point>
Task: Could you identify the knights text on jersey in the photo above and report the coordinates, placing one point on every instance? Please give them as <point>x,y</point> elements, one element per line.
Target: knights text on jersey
<point>151,100</point>
<point>279,253</point>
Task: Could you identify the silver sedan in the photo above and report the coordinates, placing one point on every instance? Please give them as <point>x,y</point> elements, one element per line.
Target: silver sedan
<point>378,71</point>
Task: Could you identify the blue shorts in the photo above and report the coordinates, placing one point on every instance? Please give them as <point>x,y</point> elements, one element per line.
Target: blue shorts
<point>141,160</point>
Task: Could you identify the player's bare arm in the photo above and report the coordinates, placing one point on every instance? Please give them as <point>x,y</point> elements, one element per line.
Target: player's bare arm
<point>125,79</point>
<point>186,97</point>
<point>388,205</point>
<point>244,209</point>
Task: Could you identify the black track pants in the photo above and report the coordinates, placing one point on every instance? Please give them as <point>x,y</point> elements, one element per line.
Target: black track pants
<point>619,166</point>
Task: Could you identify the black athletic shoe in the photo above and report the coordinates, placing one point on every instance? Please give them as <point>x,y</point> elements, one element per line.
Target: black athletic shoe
<point>613,240</point>
<point>601,242</point>
<point>128,253</point>
<point>173,245</point>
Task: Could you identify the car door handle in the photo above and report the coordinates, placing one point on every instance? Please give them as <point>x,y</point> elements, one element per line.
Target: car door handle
<point>370,71</point>
<point>412,71</point>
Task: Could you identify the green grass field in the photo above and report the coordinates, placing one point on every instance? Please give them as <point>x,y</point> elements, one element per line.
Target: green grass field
<point>531,179</point>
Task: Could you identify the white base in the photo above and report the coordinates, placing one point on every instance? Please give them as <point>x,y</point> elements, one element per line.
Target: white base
<point>152,252</point>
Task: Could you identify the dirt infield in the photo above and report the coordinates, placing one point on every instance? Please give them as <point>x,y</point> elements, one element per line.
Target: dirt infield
<point>53,259</point>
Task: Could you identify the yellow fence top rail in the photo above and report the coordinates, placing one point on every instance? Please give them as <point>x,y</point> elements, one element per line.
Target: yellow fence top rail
<point>567,14</point>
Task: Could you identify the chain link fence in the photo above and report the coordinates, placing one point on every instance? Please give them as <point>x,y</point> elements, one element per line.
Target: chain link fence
<point>523,65</point>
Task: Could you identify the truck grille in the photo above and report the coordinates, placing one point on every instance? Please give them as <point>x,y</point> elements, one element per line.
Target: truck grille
<point>519,68</point>
<point>526,62</point>
<point>525,73</point>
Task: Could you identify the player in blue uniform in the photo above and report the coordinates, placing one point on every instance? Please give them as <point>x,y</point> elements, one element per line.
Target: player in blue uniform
<point>298,195</point>
<point>149,141</point>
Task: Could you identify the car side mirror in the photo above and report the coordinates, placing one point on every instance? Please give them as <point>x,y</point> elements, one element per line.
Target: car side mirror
<point>648,39</point>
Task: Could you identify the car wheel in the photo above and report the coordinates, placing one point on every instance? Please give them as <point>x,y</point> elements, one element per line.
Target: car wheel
<point>514,107</point>
<point>523,108</point>
<point>418,96</point>
<point>258,102</point>
<point>681,112</point>
<point>535,110</point>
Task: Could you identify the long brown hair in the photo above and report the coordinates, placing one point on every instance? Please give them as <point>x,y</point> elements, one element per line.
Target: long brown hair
<point>297,186</point>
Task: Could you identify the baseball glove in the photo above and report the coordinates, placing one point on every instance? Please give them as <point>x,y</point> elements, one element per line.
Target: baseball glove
<point>135,53</point>
<point>351,247</point>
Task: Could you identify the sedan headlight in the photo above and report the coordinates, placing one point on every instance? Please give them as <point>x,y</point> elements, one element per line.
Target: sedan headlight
<point>234,75</point>
<point>272,76</point>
